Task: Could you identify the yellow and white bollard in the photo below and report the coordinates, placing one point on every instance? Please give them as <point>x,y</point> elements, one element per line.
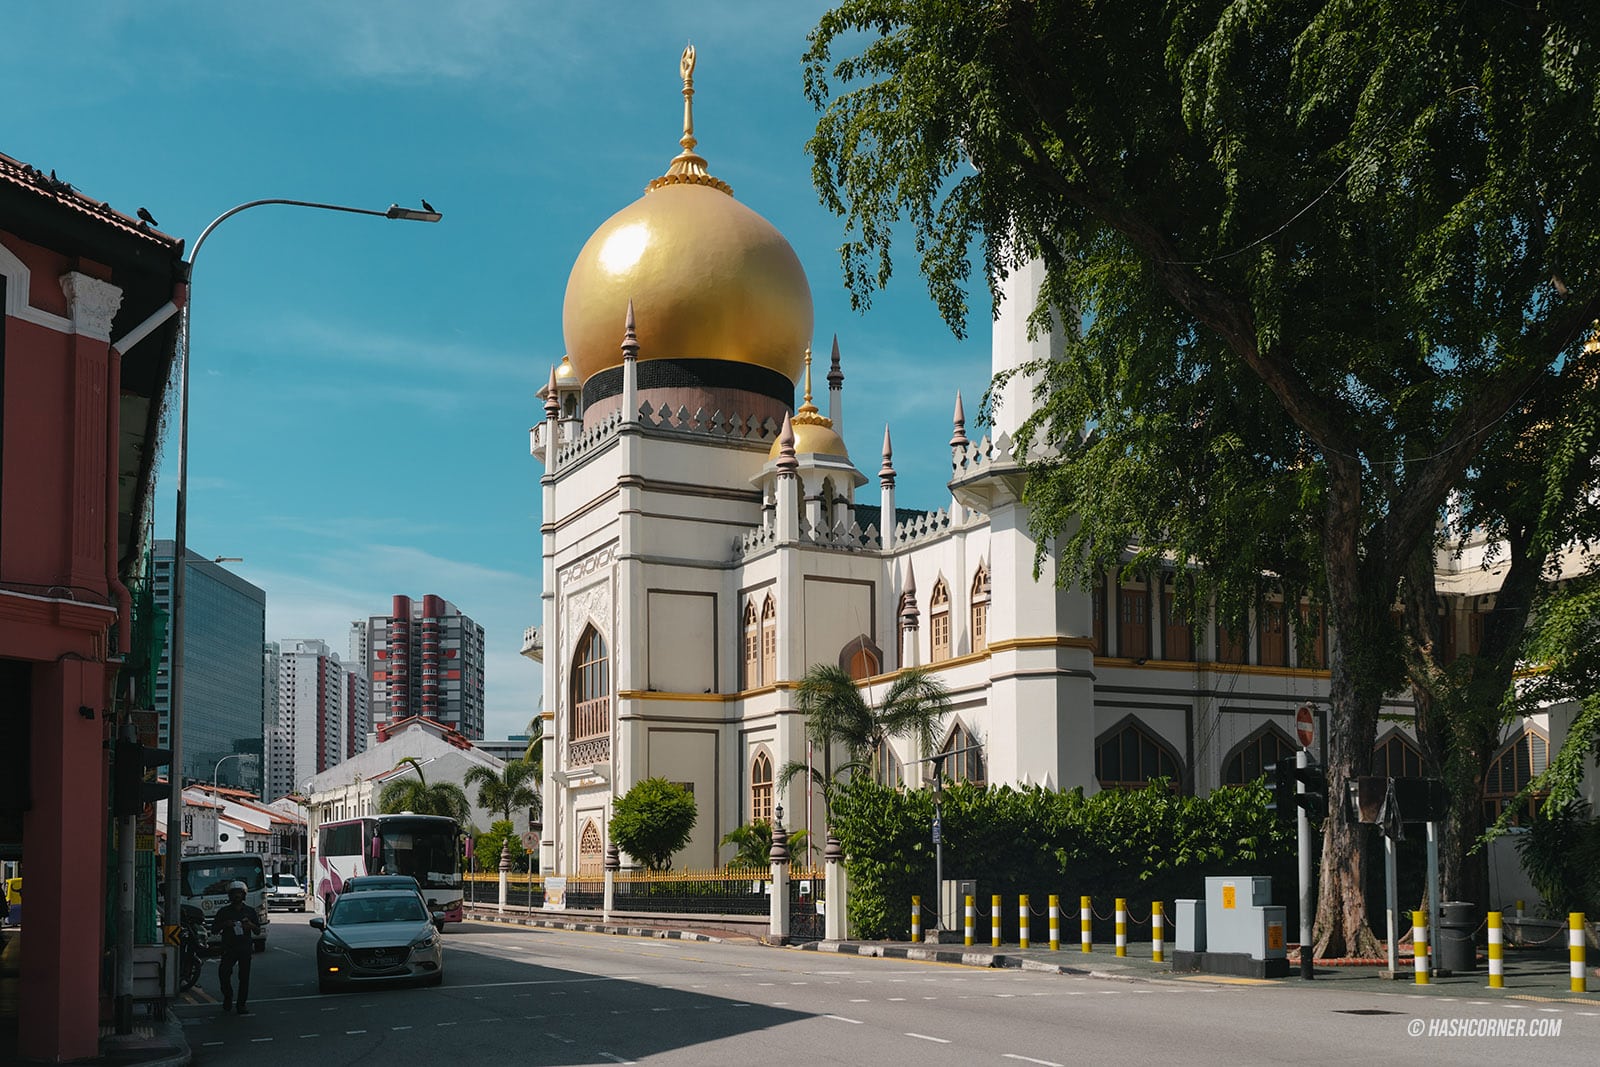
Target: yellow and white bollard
<point>1022,921</point>
<point>1497,960</point>
<point>1157,931</point>
<point>1085,916</point>
<point>1419,944</point>
<point>916,919</point>
<point>994,920</point>
<point>1055,922</point>
<point>1122,926</point>
<point>971,919</point>
<point>1575,940</point>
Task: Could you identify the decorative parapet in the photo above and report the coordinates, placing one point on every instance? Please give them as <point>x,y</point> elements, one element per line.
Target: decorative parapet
<point>589,753</point>
<point>533,644</point>
<point>590,437</point>
<point>716,424</point>
<point>999,453</point>
<point>924,527</point>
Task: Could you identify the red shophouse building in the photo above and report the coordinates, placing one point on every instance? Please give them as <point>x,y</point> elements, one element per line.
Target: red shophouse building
<point>90,331</point>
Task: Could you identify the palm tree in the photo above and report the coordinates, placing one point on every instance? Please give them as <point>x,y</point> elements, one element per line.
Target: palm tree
<point>752,843</point>
<point>504,791</point>
<point>838,713</point>
<point>534,753</point>
<point>440,798</point>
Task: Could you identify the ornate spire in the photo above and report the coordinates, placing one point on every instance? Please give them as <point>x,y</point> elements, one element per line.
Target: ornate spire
<point>808,415</point>
<point>908,599</point>
<point>958,439</point>
<point>886,472</point>
<point>787,464</point>
<point>630,336</point>
<point>552,406</point>
<point>688,167</point>
<point>835,375</point>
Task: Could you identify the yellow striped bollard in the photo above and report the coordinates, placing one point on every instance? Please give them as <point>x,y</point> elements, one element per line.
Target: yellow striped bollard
<point>1157,930</point>
<point>916,919</point>
<point>1122,926</point>
<point>971,918</point>
<point>1419,944</point>
<point>1575,940</point>
<point>1084,918</point>
<point>1022,921</point>
<point>1497,960</point>
<point>994,920</point>
<point>1055,922</point>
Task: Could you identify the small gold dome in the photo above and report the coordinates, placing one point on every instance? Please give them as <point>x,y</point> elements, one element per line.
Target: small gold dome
<point>708,277</point>
<point>566,377</point>
<point>814,434</point>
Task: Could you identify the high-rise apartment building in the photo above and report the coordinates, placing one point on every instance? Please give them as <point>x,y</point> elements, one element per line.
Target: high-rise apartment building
<point>225,629</point>
<point>426,658</point>
<point>322,717</point>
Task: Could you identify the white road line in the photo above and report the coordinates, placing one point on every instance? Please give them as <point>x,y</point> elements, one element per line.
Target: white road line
<point>259,1040</point>
<point>347,1032</point>
<point>842,1019</point>
<point>304,1036</point>
<point>208,1044</point>
<point>612,1058</point>
<point>399,1027</point>
<point>925,1037</point>
<point>444,1024</point>
<point>1030,1059</point>
<point>859,1000</point>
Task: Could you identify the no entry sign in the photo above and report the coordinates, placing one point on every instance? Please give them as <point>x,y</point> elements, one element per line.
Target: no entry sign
<point>1305,726</point>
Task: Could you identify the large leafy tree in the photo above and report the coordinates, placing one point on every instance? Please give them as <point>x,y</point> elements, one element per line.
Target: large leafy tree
<point>417,795</point>
<point>1315,251</point>
<point>512,788</point>
<point>752,844</point>
<point>838,713</point>
<point>653,820</point>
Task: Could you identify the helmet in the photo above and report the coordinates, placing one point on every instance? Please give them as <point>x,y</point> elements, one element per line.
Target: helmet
<point>236,887</point>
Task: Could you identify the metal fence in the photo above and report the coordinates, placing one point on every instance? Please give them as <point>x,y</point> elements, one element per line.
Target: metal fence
<point>725,891</point>
<point>807,903</point>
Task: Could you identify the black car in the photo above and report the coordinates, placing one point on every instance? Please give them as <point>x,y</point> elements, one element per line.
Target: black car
<point>379,936</point>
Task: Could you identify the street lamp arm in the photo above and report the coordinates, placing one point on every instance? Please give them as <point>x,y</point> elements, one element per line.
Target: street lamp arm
<point>394,211</point>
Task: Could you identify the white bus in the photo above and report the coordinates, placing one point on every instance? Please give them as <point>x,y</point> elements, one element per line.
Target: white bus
<point>206,878</point>
<point>426,847</point>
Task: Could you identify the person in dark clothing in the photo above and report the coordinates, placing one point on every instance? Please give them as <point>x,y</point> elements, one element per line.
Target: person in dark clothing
<point>238,924</point>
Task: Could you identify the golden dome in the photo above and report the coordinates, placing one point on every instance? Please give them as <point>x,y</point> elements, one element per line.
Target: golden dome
<point>566,377</point>
<point>708,277</point>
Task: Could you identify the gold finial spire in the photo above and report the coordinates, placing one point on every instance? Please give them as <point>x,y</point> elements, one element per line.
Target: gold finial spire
<point>688,168</point>
<point>808,376</point>
<point>808,415</point>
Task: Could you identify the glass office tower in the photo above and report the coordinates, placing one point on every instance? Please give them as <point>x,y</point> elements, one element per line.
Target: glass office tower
<point>225,627</point>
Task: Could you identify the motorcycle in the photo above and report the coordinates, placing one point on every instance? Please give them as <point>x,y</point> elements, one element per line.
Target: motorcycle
<point>193,949</point>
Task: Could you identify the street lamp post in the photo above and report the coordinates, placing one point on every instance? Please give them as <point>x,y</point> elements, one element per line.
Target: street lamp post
<point>218,767</point>
<point>180,533</point>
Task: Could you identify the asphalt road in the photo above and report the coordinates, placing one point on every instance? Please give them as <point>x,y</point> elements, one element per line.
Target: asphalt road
<point>516,995</point>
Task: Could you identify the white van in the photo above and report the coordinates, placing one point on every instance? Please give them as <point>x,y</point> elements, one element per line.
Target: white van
<point>206,878</point>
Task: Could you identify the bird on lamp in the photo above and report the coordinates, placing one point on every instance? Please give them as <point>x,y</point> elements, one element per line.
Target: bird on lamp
<point>147,218</point>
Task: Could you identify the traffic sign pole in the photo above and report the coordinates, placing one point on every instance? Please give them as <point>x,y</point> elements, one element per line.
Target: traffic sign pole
<point>1302,760</point>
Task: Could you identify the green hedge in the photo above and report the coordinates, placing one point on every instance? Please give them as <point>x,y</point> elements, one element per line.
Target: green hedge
<point>1149,844</point>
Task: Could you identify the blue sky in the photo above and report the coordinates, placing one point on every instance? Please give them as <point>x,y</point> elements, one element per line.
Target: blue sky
<point>363,388</point>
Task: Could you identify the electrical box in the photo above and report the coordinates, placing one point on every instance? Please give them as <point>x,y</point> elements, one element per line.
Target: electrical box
<point>1191,923</point>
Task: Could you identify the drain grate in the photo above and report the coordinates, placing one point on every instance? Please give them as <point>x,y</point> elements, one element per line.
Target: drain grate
<point>1365,1011</point>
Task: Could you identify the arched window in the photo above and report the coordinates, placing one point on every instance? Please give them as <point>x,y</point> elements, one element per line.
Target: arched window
<point>964,766</point>
<point>1255,755</point>
<point>939,622</point>
<point>980,609</point>
<point>1133,622</point>
<point>591,687</point>
<point>887,768</point>
<point>1526,755</point>
<point>1397,757</point>
<point>591,852</point>
<point>830,514</point>
<point>861,658</point>
<point>1128,757</point>
<point>750,641</point>
<point>769,640</point>
<point>761,788</point>
<point>1274,635</point>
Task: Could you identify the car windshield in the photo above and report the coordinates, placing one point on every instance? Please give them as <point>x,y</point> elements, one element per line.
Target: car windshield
<point>213,877</point>
<point>376,909</point>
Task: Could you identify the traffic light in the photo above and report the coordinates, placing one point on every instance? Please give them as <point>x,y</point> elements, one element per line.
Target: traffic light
<point>129,790</point>
<point>1286,796</point>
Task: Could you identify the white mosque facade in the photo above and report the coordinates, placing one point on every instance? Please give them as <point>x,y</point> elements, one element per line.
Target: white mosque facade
<point>705,540</point>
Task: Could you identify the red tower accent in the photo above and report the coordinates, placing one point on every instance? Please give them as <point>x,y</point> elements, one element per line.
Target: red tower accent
<point>432,610</point>
<point>399,641</point>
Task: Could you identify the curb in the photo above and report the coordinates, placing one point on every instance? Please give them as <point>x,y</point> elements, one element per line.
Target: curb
<point>596,928</point>
<point>175,1050</point>
<point>987,960</point>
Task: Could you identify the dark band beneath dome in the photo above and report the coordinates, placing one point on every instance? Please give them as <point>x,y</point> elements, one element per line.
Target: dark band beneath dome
<point>693,374</point>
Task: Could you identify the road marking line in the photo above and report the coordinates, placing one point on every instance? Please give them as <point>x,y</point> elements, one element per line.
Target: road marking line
<point>895,999</point>
<point>355,1031</point>
<point>1030,1059</point>
<point>208,1044</point>
<point>259,1040</point>
<point>399,1027</point>
<point>842,1019</point>
<point>444,1024</point>
<point>859,1000</point>
<point>925,1037</point>
<point>612,1058</point>
<point>741,1005</point>
<point>304,1036</point>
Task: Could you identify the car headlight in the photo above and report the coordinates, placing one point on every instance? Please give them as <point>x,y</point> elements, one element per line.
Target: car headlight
<point>425,941</point>
<point>332,945</point>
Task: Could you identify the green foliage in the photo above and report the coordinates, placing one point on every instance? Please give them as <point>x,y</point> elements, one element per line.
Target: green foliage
<point>415,794</point>
<point>513,788</point>
<point>1561,855</point>
<point>1149,844</point>
<point>752,844</point>
<point>653,820</point>
<point>1565,642</point>
<point>486,848</point>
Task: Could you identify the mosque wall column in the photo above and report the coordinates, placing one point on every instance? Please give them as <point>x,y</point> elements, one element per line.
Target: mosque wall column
<point>1011,347</point>
<point>1041,701</point>
<point>631,589</point>
<point>555,725</point>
